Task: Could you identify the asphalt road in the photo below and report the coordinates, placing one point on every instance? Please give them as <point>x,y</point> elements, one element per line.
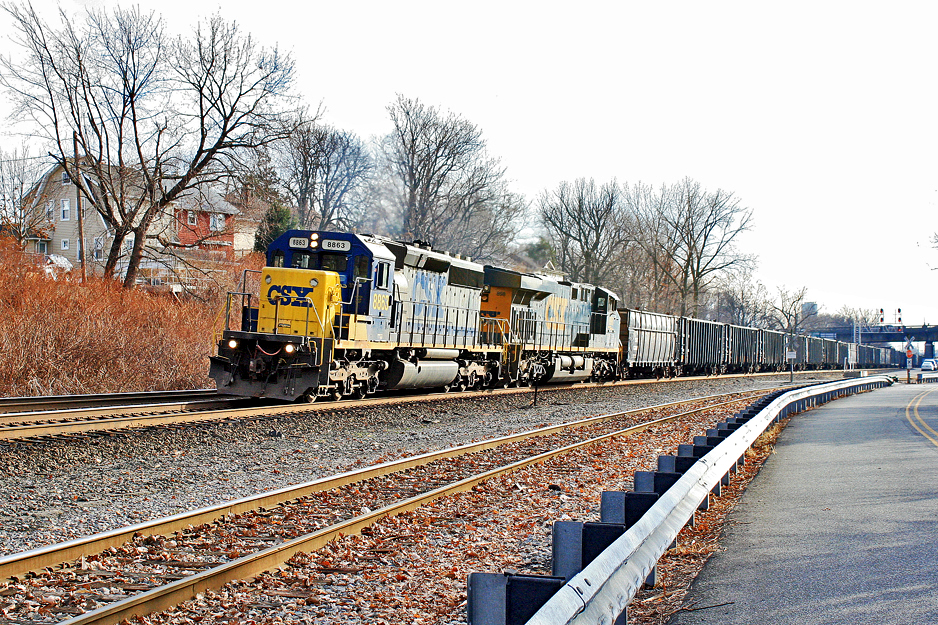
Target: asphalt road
<point>841,524</point>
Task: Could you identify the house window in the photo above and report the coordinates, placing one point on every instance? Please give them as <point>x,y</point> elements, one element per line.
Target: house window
<point>217,222</point>
<point>64,244</point>
<point>191,217</point>
<point>50,210</point>
<point>65,178</point>
<point>65,211</point>
<point>98,248</point>
<point>42,247</point>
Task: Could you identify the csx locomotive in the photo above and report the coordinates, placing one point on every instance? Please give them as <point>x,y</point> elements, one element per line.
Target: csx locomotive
<point>346,315</point>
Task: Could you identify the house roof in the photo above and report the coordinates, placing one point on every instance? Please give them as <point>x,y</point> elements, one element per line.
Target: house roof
<point>201,199</point>
<point>206,200</point>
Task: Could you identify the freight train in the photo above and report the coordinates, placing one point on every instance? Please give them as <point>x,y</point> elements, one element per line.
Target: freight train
<point>348,315</point>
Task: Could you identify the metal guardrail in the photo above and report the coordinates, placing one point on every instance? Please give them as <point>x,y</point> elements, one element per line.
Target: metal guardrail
<point>600,593</point>
<point>925,378</point>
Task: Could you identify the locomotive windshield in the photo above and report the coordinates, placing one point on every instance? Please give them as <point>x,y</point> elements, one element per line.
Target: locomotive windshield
<point>325,261</point>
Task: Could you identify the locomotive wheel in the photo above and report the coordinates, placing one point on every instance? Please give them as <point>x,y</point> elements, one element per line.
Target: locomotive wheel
<point>309,396</point>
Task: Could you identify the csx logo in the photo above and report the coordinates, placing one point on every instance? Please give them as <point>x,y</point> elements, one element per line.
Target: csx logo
<point>381,301</point>
<point>289,295</point>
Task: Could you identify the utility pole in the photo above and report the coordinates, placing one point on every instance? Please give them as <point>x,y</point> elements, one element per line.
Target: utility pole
<point>81,220</point>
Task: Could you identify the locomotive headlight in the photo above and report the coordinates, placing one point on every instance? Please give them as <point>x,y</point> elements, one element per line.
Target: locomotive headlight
<point>313,282</point>
<point>289,348</point>
<point>233,344</point>
<point>314,243</point>
<point>315,236</point>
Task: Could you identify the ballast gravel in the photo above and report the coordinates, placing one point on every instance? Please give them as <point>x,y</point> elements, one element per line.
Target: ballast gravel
<point>61,489</point>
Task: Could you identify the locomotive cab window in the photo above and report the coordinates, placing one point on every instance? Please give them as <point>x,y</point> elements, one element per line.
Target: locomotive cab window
<point>277,259</point>
<point>382,275</point>
<point>303,260</point>
<point>362,268</point>
<point>334,262</point>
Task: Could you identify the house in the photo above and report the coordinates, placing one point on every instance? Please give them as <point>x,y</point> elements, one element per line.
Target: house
<point>204,220</point>
<point>194,236</point>
<point>55,198</point>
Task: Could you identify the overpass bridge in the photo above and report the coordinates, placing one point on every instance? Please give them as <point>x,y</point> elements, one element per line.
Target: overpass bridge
<point>881,334</point>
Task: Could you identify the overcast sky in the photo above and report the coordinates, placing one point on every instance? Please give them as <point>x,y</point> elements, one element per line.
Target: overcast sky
<point>820,116</point>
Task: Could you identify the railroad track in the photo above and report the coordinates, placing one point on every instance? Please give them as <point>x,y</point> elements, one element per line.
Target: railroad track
<point>146,572</point>
<point>80,420</point>
<point>93,414</point>
<point>60,402</point>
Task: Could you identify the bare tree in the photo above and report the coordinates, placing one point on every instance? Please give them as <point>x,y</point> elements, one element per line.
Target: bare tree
<point>588,227</point>
<point>690,235</point>
<point>743,300</point>
<point>788,310</point>
<point>443,186</point>
<point>846,317</point>
<point>324,170</point>
<point>155,116</point>
<point>653,234</point>
<point>18,172</point>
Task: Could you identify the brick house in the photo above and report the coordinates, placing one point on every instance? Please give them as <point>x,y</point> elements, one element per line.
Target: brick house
<point>204,221</point>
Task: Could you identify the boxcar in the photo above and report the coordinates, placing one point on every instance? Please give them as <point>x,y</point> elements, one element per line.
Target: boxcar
<point>649,342</point>
<point>774,346</point>
<point>741,348</point>
<point>699,347</point>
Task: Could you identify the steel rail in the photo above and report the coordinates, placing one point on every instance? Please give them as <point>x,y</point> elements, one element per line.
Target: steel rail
<point>170,595</point>
<point>26,431</point>
<point>52,555</point>
<point>42,422</point>
<point>10,404</point>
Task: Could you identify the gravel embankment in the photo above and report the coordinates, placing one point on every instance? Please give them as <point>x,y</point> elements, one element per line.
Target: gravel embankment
<point>60,490</point>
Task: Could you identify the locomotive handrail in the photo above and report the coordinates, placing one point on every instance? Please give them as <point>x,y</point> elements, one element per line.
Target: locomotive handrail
<point>228,305</point>
<point>244,277</point>
<point>348,316</point>
<point>322,329</point>
<point>407,335</point>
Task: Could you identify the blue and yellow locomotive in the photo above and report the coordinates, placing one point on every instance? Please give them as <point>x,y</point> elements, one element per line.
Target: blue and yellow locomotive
<point>347,315</point>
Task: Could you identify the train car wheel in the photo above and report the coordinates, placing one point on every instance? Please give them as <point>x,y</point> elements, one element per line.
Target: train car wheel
<point>456,385</point>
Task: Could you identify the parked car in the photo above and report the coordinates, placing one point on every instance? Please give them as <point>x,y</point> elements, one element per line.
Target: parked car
<point>929,365</point>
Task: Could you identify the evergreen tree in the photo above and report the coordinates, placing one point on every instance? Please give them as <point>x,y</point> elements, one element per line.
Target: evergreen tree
<point>277,220</point>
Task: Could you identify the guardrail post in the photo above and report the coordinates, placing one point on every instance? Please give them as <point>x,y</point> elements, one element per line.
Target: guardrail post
<point>507,599</point>
<point>611,506</point>
<point>574,545</point>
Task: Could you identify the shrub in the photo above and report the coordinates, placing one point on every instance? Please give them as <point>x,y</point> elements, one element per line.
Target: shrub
<point>62,337</point>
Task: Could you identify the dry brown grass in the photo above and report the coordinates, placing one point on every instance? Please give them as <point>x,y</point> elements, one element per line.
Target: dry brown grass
<point>62,337</point>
